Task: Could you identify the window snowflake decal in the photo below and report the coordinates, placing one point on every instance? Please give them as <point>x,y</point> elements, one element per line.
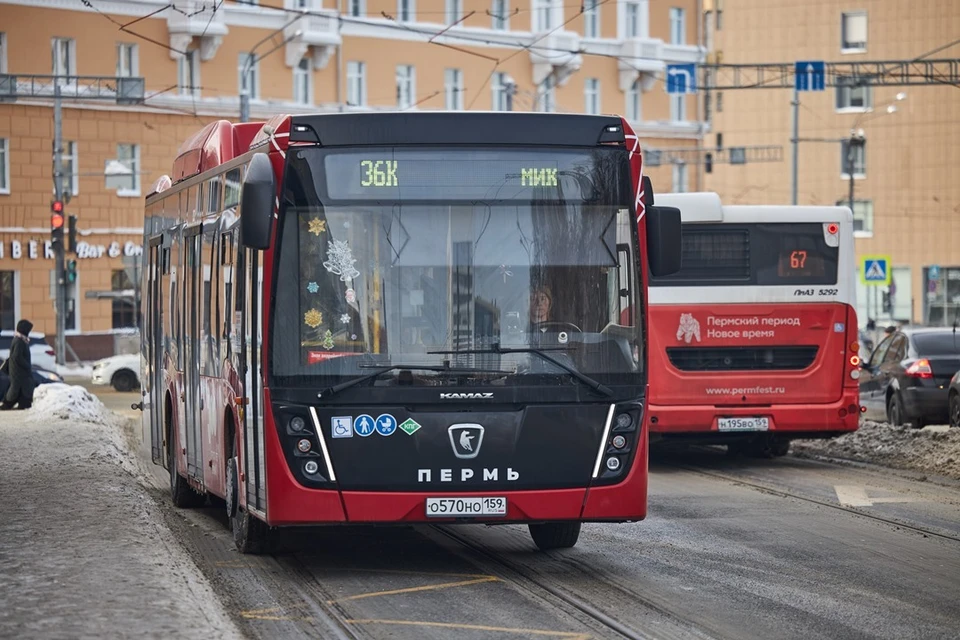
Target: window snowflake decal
<point>313,287</point>
<point>317,226</point>
<point>313,318</point>
<point>340,260</point>
<point>345,318</point>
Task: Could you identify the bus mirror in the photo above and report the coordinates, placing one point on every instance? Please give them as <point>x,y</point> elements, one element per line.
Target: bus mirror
<point>256,203</point>
<point>663,240</point>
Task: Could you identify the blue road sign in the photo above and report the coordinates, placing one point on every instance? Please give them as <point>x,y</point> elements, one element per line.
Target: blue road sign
<point>875,270</point>
<point>934,272</point>
<point>682,78</point>
<point>810,75</point>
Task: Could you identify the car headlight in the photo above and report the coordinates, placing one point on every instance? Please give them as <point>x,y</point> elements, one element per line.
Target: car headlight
<point>49,376</point>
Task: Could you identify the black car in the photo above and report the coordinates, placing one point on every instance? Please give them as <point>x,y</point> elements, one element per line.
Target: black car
<point>953,400</point>
<point>40,376</point>
<point>905,380</point>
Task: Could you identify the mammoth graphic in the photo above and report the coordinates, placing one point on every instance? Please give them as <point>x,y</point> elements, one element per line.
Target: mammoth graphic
<point>689,328</point>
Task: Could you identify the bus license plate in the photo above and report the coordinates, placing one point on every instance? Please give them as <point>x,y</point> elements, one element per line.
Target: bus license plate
<point>743,424</point>
<point>466,507</point>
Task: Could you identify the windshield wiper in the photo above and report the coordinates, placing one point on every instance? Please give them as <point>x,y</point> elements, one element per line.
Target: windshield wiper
<point>387,368</point>
<point>496,348</point>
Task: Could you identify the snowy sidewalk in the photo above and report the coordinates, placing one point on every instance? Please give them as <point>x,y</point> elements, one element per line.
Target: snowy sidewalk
<point>84,551</point>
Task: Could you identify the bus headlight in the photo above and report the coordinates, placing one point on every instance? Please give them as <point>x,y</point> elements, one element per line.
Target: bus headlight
<point>297,423</point>
<point>624,420</point>
<point>304,445</point>
<point>310,467</point>
<point>613,463</point>
<point>618,442</point>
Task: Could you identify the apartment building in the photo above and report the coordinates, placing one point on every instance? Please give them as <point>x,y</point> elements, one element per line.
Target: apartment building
<point>906,196</point>
<point>197,58</point>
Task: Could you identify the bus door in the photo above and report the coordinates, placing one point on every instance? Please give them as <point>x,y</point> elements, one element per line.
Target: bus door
<point>249,304</point>
<point>153,358</point>
<point>191,360</point>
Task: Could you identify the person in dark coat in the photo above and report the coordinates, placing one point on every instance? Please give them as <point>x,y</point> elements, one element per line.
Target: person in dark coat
<point>20,369</point>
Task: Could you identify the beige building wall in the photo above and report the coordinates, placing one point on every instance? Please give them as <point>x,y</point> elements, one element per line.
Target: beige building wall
<point>330,40</point>
<point>910,179</point>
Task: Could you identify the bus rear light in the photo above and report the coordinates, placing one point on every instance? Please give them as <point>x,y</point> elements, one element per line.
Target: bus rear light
<point>843,413</point>
<point>920,369</point>
<point>303,445</point>
<point>855,346</point>
<point>855,361</point>
<point>831,231</point>
<point>833,228</point>
<point>863,409</point>
<point>855,374</point>
<point>853,409</point>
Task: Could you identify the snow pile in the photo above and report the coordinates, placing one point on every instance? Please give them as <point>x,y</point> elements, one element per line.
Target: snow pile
<point>57,401</point>
<point>935,451</point>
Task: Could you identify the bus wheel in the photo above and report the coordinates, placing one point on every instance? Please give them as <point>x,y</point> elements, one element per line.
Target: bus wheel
<point>555,535</point>
<point>182,494</point>
<point>779,447</point>
<point>249,533</point>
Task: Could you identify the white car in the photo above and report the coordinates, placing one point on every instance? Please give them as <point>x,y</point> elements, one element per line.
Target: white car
<point>41,353</point>
<point>122,372</point>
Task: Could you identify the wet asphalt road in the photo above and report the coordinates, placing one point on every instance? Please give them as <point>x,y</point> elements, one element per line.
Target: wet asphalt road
<point>732,548</point>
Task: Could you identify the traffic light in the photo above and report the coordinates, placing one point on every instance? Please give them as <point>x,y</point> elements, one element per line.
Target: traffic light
<point>71,270</point>
<point>72,234</point>
<point>56,221</point>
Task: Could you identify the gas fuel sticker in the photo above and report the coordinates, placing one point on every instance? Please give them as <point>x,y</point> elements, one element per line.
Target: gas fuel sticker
<point>409,426</point>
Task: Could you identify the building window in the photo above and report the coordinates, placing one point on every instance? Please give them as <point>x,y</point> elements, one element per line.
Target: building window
<point>69,169</point>
<point>127,60</point>
<point>453,89</point>
<point>356,84</point>
<point>678,26</point>
<point>303,81</point>
<point>3,52</point>
<point>8,300</point>
<point>542,15</point>
<point>850,96</point>
<point>500,87</point>
<point>547,97</point>
<point>632,24</point>
<point>4,165</point>
<point>500,12</point>
<point>591,19</point>
<point>678,108</point>
<point>679,177</point>
<point>406,91</point>
<point>129,156</point>
<point>634,104</point>
<point>357,8</point>
<point>406,10</point>
<point>859,159</point>
<point>64,57</point>
<point>248,78</point>
<point>591,96</point>
<point>188,73</point>
<point>125,310</point>
<point>941,296</point>
<point>454,11</point>
<point>853,27</point>
<point>862,216</point>
<point>304,5</point>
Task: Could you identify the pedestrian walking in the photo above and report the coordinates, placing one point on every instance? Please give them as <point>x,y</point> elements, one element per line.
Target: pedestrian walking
<point>20,369</point>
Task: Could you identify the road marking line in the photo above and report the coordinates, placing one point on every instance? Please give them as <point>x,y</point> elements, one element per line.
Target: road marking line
<point>570,635</point>
<point>852,496</point>
<point>429,587</point>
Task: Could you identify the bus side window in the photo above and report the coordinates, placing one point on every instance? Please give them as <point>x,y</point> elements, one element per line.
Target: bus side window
<point>225,297</point>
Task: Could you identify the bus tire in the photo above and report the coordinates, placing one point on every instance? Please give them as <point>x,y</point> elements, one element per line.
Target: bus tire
<point>181,493</point>
<point>249,533</point>
<point>555,535</point>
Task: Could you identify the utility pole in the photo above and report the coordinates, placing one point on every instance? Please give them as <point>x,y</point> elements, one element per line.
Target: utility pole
<point>61,297</point>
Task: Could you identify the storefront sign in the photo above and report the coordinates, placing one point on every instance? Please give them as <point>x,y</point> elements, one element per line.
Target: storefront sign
<point>85,250</point>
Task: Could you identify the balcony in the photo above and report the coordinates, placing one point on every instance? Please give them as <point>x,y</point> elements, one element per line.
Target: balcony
<point>557,54</point>
<point>316,34</point>
<point>640,59</point>
<point>196,18</point>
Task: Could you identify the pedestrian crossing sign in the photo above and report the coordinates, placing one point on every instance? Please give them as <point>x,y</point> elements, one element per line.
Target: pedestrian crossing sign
<point>875,270</point>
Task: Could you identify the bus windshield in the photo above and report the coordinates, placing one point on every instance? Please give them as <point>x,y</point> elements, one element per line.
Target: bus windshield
<point>442,258</point>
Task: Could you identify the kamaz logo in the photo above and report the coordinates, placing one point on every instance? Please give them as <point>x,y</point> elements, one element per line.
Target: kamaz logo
<point>466,396</point>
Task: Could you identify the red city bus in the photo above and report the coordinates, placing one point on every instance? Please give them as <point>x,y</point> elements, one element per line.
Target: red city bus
<point>402,318</point>
<point>755,339</point>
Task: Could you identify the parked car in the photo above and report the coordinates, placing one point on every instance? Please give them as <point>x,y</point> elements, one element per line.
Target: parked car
<point>122,372</point>
<point>41,353</point>
<point>906,378</point>
<point>953,400</point>
<point>40,376</point>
